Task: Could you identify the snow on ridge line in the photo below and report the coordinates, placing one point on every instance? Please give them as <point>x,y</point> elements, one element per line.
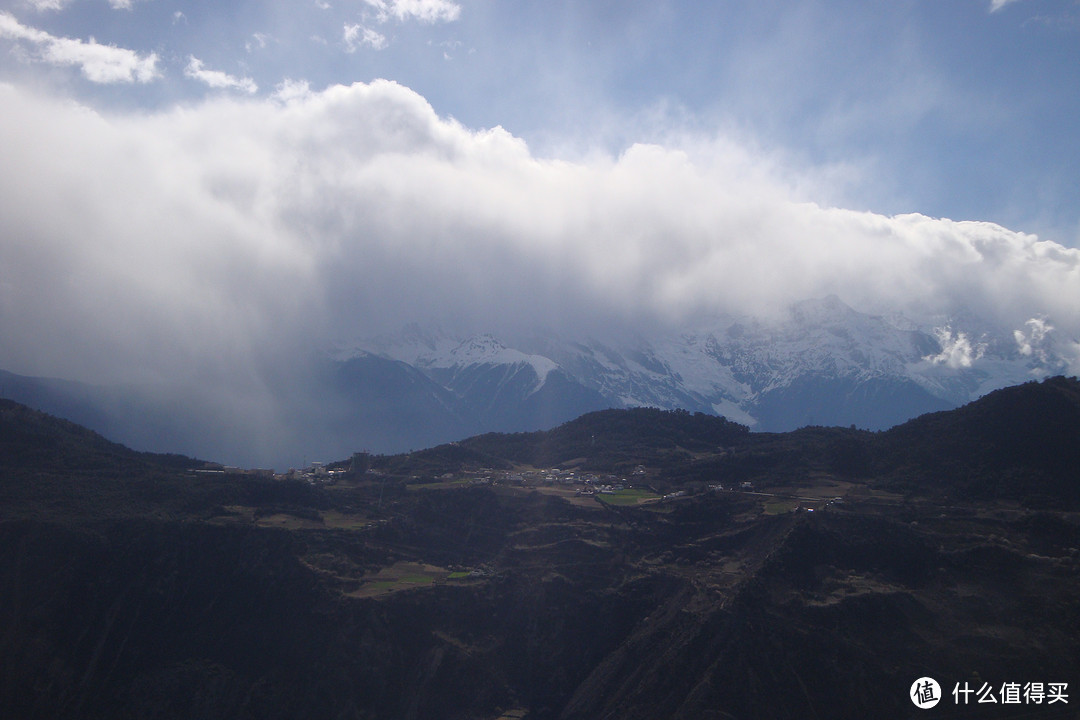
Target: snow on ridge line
<point>435,349</point>
<point>487,350</point>
<point>726,363</point>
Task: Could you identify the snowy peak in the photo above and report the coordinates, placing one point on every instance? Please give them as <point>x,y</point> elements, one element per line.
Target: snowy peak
<point>496,387</point>
<point>432,349</point>
<point>822,362</point>
<point>486,349</point>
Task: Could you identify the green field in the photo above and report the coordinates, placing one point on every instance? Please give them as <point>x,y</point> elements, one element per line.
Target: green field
<point>780,506</point>
<point>629,496</point>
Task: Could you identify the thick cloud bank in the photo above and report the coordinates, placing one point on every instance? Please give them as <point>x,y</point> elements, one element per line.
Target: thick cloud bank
<point>213,239</point>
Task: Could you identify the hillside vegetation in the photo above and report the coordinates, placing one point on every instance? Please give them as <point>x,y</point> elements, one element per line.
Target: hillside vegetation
<point>637,564</point>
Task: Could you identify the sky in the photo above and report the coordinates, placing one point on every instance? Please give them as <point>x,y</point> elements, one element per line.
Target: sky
<point>206,189</point>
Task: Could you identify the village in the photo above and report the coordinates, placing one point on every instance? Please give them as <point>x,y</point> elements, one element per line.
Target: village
<point>578,486</point>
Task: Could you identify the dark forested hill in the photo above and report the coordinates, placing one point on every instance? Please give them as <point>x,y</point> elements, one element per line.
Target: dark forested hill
<point>609,437</point>
<point>32,438</point>
<point>610,440</point>
<point>1021,443</point>
<point>592,571</point>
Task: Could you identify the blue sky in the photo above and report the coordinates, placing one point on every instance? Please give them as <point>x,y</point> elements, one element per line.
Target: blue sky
<point>186,185</point>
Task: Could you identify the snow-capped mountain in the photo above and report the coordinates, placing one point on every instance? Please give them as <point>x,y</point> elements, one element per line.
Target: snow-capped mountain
<point>497,387</point>
<point>823,363</point>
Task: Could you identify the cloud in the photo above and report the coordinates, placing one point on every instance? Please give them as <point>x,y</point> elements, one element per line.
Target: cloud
<point>217,79</point>
<point>61,4</point>
<point>212,240</point>
<point>957,351</point>
<point>996,5</point>
<point>356,36</point>
<point>42,5</point>
<point>261,39</point>
<point>426,11</point>
<point>99,63</point>
<point>1031,342</point>
<point>292,91</point>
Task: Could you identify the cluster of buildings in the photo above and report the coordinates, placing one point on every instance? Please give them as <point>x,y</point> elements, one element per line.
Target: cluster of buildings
<point>591,483</point>
<point>230,471</point>
<point>317,472</point>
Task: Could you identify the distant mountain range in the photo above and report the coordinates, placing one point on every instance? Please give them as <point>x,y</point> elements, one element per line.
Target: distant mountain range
<point>823,363</point>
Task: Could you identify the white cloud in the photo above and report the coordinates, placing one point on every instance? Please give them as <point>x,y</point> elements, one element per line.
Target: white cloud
<point>261,40</point>
<point>61,4</point>
<point>99,63</point>
<point>11,28</point>
<point>426,11</point>
<point>42,5</point>
<point>291,91</point>
<point>211,235</point>
<point>218,79</point>
<point>957,351</point>
<point>1032,341</point>
<point>356,36</point>
<point>996,5</point>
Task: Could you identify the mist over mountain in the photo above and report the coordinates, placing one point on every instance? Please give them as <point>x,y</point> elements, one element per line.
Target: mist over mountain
<point>822,363</point>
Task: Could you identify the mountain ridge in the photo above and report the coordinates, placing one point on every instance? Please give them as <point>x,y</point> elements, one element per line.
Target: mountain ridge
<point>1019,443</point>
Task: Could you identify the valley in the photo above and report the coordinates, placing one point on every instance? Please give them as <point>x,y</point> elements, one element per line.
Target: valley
<point>510,576</point>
